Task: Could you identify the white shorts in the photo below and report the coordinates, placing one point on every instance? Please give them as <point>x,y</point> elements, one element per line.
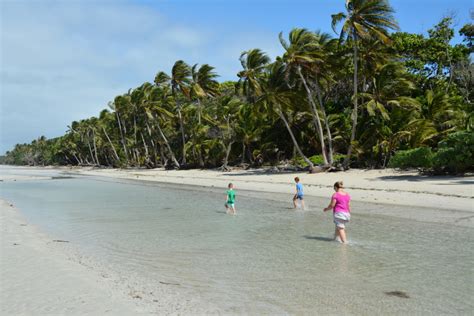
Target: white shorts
<point>341,219</point>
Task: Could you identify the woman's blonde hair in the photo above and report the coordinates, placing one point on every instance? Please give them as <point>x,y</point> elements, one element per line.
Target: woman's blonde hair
<point>338,185</point>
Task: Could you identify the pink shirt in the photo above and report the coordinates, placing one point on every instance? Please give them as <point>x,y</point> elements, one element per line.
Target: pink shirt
<point>342,202</point>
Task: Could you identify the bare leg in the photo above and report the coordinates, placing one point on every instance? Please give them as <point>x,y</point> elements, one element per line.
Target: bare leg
<point>342,233</point>
<point>294,201</point>
<point>302,205</point>
<point>337,235</point>
<point>233,210</point>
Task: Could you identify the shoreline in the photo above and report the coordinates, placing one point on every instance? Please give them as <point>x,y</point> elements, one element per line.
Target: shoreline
<point>40,275</point>
<point>389,186</point>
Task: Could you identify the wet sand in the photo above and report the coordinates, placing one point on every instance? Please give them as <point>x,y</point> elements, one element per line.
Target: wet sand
<point>38,277</point>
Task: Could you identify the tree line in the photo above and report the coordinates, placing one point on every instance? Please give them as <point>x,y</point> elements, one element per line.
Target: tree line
<point>356,99</point>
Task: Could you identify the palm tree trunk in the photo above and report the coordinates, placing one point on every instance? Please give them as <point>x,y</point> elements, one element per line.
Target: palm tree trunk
<point>152,142</point>
<point>162,155</point>
<point>90,149</point>
<point>95,148</point>
<point>183,140</point>
<point>165,140</point>
<point>121,136</point>
<point>146,146</point>
<point>326,122</point>
<point>111,144</point>
<point>199,109</point>
<point>315,116</point>
<point>355,110</point>
<point>295,143</point>
<point>227,154</point>
<point>79,162</point>
<point>243,152</point>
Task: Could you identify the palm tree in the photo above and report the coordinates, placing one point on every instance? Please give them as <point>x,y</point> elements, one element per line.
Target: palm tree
<point>253,62</point>
<point>180,79</point>
<point>439,108</point>
<point>227,112</point>
<point>364,19</point>
<point>105,121</point>
<point>276,96</point>
<point>154,106</point>
<point>250,127</point>
<point>389,107</point>
<point>301,54</point>
<point>203,84</point>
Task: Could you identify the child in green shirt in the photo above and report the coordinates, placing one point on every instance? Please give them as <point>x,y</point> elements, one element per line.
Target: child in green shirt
<point>230,199</point>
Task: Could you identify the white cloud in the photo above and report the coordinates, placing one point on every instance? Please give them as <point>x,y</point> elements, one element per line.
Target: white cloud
<point>63,61</point>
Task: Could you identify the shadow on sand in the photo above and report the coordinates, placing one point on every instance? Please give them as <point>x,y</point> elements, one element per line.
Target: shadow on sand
<point>318,238</point>
<point>418,178</point>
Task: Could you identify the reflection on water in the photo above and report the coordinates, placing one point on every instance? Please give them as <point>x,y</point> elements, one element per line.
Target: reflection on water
<point>267,259</point>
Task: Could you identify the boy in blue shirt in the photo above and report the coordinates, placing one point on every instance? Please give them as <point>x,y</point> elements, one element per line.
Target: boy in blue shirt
<point>299,193</point>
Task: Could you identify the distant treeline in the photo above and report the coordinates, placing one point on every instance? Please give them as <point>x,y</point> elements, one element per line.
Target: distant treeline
<point>359,99</point>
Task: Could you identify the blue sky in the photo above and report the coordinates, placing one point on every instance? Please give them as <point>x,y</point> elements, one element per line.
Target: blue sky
<point>64,60</point>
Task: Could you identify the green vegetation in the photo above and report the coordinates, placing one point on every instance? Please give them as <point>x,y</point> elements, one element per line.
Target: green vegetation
<point>363,99</point>
<point>413,158</point>
<point>455,153</point>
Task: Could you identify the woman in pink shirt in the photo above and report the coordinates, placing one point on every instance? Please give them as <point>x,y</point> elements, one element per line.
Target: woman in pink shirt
<point>341,206</point>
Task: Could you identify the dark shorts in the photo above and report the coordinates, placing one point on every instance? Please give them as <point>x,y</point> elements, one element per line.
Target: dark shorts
<point>299,196</point>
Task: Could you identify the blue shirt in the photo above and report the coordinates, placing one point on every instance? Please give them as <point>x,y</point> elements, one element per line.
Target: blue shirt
<point>299,188</point>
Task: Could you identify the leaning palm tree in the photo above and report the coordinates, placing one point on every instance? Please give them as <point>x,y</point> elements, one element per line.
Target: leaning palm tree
<point>276,97</point>
<point>301,54</point>
<point>155,110</point>
<point>363,19</point>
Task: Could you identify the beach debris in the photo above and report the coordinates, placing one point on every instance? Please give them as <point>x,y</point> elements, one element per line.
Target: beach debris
<point>15,244</point>
<point>60,240</point>
<point>134,294</point>
<point>168,283</point>
<point>400,294</point>
<point>23,225</point>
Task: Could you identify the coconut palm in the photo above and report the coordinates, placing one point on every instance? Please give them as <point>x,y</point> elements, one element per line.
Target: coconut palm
<point>154,106</point>
<point>301,54</point>
<point>227,110</point>
<point>276,97</point>
<point>363,19</point>
<point>253,62</point>
<point>203,84</point>
<point>180,80</point>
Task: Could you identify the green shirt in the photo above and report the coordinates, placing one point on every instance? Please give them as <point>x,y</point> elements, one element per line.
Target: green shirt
<point>230,196</point>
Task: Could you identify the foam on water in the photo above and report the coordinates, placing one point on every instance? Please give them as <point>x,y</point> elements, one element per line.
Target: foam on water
<point>266,259</point>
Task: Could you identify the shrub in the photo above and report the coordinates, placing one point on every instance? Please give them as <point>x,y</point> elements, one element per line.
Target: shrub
<point>421,157</point>
<point>455,153</point>
<point>318,160</point>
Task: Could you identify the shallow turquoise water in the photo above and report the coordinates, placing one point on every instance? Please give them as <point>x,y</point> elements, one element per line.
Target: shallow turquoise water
<point>267,259</point>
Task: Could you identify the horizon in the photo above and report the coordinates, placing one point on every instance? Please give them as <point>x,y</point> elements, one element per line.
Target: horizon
<point>62,62</point>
